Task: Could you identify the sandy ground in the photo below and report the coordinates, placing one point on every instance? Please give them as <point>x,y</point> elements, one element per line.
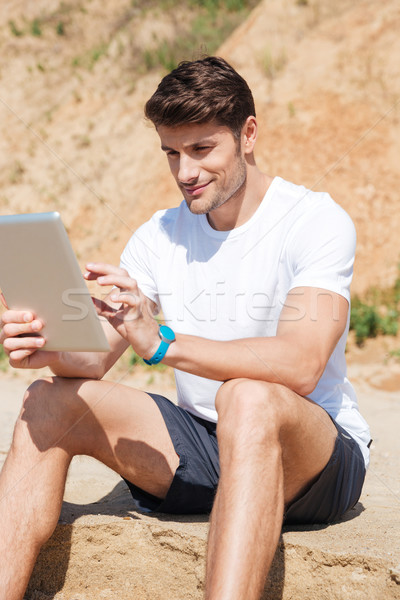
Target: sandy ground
<point>103,548</point>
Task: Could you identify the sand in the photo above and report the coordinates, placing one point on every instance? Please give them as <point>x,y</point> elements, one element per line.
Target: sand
<point>104,548</point>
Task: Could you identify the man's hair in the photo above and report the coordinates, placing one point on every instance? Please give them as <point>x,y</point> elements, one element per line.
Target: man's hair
<point>202,91</point>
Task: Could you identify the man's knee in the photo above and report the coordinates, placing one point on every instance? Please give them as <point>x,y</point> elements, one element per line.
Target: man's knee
<point>250,396</point>
<point>43,399</point>
<point>45,415</point>
<point>250,406</point>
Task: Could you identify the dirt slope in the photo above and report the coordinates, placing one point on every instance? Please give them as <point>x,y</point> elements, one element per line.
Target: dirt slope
<point>72,137</point>
<point>330,111</point>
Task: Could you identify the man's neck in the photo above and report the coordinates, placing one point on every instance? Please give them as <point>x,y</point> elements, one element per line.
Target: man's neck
<point>241,207</point>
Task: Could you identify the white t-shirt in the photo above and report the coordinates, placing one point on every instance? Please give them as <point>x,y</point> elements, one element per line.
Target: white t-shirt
<point>225,285</point>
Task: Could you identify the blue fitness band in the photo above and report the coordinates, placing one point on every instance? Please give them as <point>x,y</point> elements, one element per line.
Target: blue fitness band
<point>167,336</point>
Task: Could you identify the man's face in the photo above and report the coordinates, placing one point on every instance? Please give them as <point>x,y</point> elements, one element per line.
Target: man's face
<point>206,162</point>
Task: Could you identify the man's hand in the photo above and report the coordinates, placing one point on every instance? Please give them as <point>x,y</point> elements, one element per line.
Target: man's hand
<point>21,339</point>
<point>132,315</point>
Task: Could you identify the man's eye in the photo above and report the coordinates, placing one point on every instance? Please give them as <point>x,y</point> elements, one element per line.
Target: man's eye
<point>201,148</point>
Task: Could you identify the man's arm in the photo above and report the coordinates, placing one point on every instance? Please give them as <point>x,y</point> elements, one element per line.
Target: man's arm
<point>93,365</point>
<point>311,323</point>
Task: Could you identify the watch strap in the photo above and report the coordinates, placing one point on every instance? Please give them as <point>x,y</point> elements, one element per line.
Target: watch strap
<point>164,345</point>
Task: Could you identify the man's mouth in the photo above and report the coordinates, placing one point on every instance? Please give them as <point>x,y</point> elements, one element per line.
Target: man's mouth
<point>194,190</point>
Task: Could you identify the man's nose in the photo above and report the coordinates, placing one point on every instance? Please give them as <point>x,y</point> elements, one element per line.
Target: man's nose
<point>188,170</point>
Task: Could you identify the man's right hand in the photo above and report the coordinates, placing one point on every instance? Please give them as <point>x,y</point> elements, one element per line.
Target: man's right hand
<point>21,339</point>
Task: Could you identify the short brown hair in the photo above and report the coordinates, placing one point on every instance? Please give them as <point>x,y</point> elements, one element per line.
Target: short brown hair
<point>201,91</point>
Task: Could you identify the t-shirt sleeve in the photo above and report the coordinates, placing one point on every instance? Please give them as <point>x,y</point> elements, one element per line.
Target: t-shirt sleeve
<point>322,248</point>
<point>138,258</point>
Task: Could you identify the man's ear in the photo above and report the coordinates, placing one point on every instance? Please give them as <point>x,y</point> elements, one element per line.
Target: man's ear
<point>249,134</point>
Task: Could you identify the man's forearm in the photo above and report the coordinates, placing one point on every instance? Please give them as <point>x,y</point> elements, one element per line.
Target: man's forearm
<point>274,359</point>
<point>307,333</point>
<point>90,365</point>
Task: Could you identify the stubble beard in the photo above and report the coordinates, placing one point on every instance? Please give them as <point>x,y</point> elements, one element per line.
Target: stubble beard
<point>221,196</point>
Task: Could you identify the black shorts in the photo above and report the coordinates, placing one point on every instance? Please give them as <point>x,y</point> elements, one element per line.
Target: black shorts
<point>193,488</point>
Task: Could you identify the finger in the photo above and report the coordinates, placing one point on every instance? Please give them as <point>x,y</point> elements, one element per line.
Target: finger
<point>3,300</point>
<point>13,329</point>
<point>124,283</point>
<point>133,309</point>
<point>116,317</point>
<point>31,344</point>
<point>17,329</point>
<point>94,270</point>
<point>17,356</point>
<point>104,309</point>
<point>128,298</point>
<point>17,316</point>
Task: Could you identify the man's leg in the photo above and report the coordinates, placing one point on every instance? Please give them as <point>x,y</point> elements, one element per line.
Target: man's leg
<point>273,444</point>
<point>120,426</point>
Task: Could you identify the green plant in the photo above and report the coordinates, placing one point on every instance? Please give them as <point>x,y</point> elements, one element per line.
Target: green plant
<point>367,321</point>
<point>378,313</point>
<point>98,53</point>
<point>135,360</point>
<point>364,320</point>
<point>14,29</point>
<point>17,172</point>
<point>396,287</point>
<point>389,323</point>
<point>395,354</point>
<point>90,58</point>
<point>211,24</point>
<point>234,5</point>
<point>291,109</point>
<point>3,359</point>
<point>273,64</point>
<point>36,28</point>
<point>60,28</point>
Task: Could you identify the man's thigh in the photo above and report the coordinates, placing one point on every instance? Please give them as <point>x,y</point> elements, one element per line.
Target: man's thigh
<point>251,410</point>
<point>307,436</point>
<point>339,469</point>
<point>119,425</point>
<point>336,489</point>
<point>308,440</point>
<point>196,479</point>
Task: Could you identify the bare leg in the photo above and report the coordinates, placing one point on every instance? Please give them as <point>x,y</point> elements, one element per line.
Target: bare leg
<point>60,418</point>
<point>273,443</point>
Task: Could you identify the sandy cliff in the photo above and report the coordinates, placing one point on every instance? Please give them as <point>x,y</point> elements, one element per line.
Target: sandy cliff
<point>326,81</point>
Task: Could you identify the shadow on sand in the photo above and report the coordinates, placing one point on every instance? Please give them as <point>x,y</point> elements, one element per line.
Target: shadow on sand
<point>51,567</point>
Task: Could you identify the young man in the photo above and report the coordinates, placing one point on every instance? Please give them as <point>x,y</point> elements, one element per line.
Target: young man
<point>252,275</point>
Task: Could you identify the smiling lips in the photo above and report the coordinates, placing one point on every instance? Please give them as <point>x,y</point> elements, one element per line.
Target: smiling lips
<point>195,190</point>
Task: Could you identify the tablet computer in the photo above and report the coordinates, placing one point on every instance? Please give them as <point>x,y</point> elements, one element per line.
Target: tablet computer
<point>39,272</point>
